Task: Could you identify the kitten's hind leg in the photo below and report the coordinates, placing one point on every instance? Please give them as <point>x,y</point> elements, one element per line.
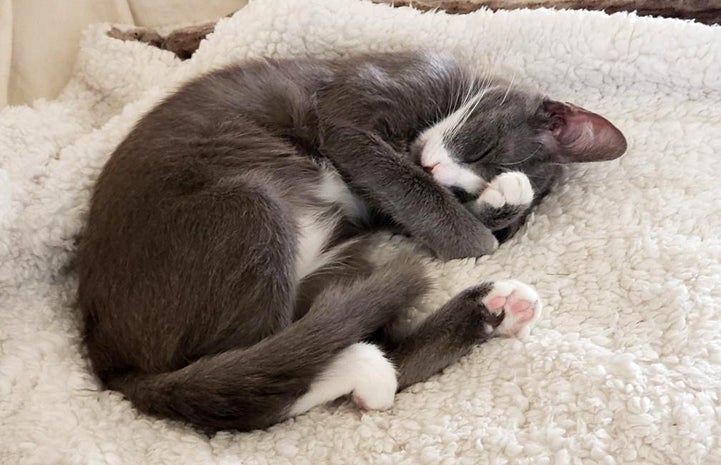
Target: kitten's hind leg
<point>350,263</point>
<point>507,308</point>
<point>362,370</point>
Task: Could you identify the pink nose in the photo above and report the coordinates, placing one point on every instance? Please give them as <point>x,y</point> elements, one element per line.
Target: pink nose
<point>431,169</point>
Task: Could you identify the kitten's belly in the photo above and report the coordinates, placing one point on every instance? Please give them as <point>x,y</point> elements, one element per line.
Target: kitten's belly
<point>317,224</point>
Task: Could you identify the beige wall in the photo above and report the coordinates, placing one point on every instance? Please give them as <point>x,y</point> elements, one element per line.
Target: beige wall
<point>39,38</point>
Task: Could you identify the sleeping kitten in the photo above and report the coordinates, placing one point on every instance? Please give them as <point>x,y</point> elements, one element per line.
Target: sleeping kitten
<point>223,271</point>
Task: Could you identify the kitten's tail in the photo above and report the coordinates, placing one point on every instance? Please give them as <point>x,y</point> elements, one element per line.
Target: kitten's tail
<point>255,387</point>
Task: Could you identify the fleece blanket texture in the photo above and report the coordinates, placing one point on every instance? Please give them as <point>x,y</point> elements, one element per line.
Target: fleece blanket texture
<point>625,364</point>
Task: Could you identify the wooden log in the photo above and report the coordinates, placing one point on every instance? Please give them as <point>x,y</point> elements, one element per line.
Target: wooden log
<point>703,11</point>
<point>184,42</point>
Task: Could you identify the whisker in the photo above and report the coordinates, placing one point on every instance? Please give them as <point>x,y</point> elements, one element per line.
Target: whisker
<point>478,98</point>
<point>510,84</point>
<point>463,110</point>
<point>472,97</point>
<point>474,102</point>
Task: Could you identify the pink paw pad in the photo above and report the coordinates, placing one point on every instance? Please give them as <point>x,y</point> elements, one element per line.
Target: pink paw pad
<point>496,303</point>
<point>523,310</point>
<point>520,303</point>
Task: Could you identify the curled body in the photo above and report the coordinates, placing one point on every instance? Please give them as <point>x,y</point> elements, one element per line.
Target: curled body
<point>223,272</point>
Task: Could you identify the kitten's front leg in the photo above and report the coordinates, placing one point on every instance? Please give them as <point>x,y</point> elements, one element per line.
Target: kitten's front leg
<point>505,201</point>
<point>401,190</point>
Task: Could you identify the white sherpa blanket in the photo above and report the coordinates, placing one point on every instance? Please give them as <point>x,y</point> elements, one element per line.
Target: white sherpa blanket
<point>625,365</point>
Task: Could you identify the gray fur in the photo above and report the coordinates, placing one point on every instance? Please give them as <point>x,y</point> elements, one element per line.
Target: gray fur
<point>187,268</point>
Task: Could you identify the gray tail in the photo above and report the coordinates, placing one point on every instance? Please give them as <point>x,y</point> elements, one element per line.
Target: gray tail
<point>251,388</point>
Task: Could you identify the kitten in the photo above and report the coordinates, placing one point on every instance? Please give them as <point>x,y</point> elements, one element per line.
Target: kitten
<point>223,275</point>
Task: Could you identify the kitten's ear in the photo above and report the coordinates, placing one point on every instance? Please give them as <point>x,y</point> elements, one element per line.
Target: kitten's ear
<point>578,135</point>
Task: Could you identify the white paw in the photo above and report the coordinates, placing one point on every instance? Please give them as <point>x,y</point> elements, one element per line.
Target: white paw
<point>360,370</point>
<point>520,303</point>
<point>376,382</point>
<point>512,188</point>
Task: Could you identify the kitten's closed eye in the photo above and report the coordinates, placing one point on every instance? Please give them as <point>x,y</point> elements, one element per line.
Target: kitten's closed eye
<point>476,156</point>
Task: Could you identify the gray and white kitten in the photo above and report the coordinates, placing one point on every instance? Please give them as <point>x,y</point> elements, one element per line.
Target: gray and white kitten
<point>223,273</point>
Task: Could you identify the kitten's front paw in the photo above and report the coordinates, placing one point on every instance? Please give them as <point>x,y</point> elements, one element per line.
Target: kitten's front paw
<point>506,199</point>
<point>519,304</point>
<point>507,189</point>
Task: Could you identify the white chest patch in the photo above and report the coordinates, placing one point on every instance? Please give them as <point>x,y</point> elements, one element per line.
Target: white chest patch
<point>316,226</point>
<point>314,232</point>
<point>334,190</point>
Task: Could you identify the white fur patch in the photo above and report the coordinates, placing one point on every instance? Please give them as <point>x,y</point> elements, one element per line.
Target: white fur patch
<point>361,369</point>
<point>316,226</point>
<point>314,232</point>
<point>447,171</point>
<point>435,155</point>
<point>334,190</point>
<point>512,188</point>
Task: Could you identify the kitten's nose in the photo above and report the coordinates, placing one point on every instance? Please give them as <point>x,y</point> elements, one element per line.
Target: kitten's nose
<point>432,168</point>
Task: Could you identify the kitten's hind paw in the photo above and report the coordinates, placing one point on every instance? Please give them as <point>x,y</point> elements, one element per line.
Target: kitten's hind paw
<point>376,383</point>
<point>519,303</point>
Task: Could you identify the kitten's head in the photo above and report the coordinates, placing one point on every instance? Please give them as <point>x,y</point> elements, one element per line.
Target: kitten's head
<point>513,130</point>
